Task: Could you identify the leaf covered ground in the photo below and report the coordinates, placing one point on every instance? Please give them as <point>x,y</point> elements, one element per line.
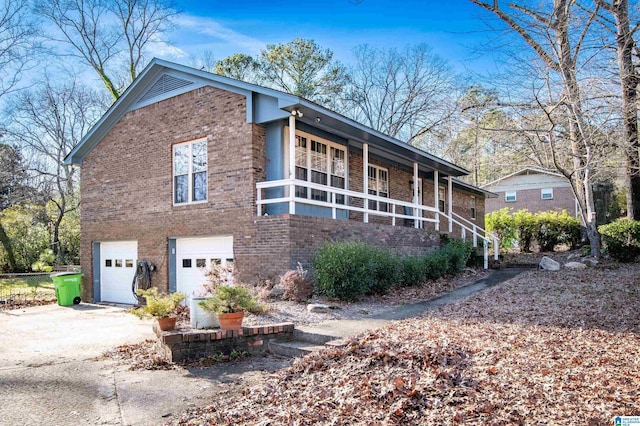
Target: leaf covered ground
<point>543,348</point>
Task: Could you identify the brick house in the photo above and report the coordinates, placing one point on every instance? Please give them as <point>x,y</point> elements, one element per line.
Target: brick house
<point>533,189</point>
<point>188,168</point>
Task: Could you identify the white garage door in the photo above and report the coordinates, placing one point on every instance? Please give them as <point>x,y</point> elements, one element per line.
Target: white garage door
<point>117,268</point>
<point>194,256</point>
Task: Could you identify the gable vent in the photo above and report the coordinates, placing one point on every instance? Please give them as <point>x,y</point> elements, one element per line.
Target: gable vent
<point>165,84</point>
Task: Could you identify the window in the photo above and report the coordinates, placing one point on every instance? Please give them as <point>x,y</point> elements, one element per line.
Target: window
<point>118,263</point>
<point>108,263</point>
<point>201,263</point>
<point>510,196</point>
<point>546,193</point>
<point>128,263</point>
<point>186,263</point>
<point>378,185</point>
<point>442,198</point>
<point>473,208</point>
<point>320,162</point>
<point>190,172</point>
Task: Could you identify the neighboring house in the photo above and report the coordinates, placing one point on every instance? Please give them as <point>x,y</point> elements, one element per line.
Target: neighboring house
<point>533,189</point>
<point>188,168</point>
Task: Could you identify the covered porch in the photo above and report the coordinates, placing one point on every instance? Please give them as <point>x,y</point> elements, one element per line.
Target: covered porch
<point>328,172</point>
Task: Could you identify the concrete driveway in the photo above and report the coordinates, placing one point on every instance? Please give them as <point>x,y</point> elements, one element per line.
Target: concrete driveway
<point>50,374</point>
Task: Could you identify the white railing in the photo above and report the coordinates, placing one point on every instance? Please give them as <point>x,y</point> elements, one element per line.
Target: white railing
<point>289,186</point>
<point>476,232</point>
<point>288,196</point>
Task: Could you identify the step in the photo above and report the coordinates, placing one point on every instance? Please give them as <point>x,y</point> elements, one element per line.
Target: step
<point>293,348</point>
<point>312,337</point>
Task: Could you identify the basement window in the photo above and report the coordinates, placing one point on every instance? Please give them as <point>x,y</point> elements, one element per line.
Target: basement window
<point>510,196</point>
<point>546,193</point>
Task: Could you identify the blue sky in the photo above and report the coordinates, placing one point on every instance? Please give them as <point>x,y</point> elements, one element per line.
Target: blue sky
<point>450,27</point>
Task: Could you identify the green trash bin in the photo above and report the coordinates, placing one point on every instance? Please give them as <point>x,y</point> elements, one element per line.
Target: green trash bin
<point>67,285</point>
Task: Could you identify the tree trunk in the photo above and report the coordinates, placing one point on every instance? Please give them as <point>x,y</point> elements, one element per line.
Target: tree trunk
<point>6,243</point>
<point>629,82</point>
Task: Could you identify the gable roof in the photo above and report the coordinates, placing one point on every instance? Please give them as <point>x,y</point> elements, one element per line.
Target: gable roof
<point>163,79</point>
<point>524,171</point>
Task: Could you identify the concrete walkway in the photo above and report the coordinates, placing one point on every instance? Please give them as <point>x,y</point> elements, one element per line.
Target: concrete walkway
<point>341,329</point>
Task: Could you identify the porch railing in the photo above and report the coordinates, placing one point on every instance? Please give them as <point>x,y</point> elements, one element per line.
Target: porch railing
<point>339,199</point>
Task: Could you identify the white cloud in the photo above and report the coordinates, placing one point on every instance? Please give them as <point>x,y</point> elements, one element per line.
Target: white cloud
<point>212,28</point>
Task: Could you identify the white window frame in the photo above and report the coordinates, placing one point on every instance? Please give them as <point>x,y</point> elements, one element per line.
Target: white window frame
<point>548,191</point>
<point>442,199</point>
<point>328,169</point>
<point>376,190</point>
<point>508,194</point>
<point>189,173</point>
<point>474,208</point>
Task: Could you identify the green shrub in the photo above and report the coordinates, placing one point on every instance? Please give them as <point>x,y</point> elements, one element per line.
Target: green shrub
<point>414,271</point>
<point>556,228</point>
<point>459,252</point>
<point>436,265</point>
<point>526,224</point>
<point>501,224</point>
<point>387,271</point>
<point>622,239</point>
<point>344,270</point>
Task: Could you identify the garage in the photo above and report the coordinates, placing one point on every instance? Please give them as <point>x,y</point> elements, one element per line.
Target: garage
<point>195,255</point>
<point>117,268</point>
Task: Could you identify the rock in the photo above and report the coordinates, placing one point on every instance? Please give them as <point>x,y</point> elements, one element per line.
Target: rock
<point>573,256</point>
<point>590,261</point>
<point>276,292</point>
<point>549,264</point>
<point>575,265</point>
<point>318,308</point>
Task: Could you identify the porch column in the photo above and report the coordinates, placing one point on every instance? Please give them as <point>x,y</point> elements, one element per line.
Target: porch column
<point>436,189</point>
<point>365,178</point>
<point>450,198</point>
<point>416,211</point>
<point>292,161</point>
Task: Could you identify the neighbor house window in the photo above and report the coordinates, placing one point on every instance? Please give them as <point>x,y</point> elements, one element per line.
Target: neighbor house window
<point>190,172</point>
<point>322,162</point>
<point>473,207</point>
<point>378,185</point>
<point>546,193</point>
<point>510,196</point>
<point>442,198</point>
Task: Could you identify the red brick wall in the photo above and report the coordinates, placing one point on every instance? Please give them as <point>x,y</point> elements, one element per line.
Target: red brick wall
<point>530,199</point>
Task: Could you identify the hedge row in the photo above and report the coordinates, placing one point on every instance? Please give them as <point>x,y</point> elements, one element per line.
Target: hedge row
<point>546,228</point>
<point>622,239</point>
<point>348,270</point>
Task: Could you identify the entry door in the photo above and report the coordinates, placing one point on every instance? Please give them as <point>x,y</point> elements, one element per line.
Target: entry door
<point>117,269</point>
<point>194,257</point>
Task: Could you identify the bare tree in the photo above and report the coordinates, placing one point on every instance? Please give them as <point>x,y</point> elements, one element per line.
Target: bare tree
<point>109,36</point>
<point>17,35</point>
<point>405,94</point>
<point>629,80</point>
<point>47,123</point>
<point>556,35</point>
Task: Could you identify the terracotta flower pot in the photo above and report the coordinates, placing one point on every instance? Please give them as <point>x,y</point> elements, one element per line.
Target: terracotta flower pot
<point>231,321</point>
<point>167,323</point>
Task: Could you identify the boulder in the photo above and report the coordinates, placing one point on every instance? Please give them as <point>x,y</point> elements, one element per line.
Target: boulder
<point>590,261</point>
<point>318,308</point>
<point>549,264</point>
<point>575,265</point>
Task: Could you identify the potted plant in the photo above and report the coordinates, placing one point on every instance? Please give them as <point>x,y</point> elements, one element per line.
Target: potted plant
<point>159,306</point>
<point>217,275</point>
<point>230,303</point>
